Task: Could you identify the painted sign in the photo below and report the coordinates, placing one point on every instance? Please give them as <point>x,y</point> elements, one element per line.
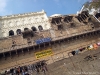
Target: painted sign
<point>43,53</point>
<point>43,40</point>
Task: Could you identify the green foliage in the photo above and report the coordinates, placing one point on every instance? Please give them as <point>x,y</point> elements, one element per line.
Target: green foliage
<point>94,4</point>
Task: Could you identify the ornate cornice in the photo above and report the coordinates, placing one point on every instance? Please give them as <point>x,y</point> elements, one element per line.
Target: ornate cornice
<point>22,15</point>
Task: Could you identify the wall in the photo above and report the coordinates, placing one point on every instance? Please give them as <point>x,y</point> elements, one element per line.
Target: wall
<point>59,49</point>
<point>21,21</point>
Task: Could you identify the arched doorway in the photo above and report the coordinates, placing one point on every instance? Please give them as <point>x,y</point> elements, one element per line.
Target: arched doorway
<point>18,31</point>
<point>40,27</point>
<point>11,33</point>
<point>25,29</point>
<point>33,28</point>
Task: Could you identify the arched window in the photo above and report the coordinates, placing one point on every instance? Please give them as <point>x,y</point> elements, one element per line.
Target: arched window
<point>25,29</point>
<point>11,33</point>
<point>18,31</point>
<point>34,28</point>
<point>97,15</point>
<point>40,27</point>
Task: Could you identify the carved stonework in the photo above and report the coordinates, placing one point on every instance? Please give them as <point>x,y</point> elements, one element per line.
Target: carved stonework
<point>21,21</point>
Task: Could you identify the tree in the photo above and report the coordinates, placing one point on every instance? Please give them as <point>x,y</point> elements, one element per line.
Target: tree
<point>93,4</point>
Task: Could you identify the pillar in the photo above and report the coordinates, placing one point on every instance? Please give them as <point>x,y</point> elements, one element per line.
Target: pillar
<point>28,49</point>
<point>49,43</point>
<point>55,22</point>
<point>10,55</point>
<point>82,17</point>
<point>44,45</point>
<point>4,56</point>
<point>33,47</point>
<point>79,19</point>
<point>16,53</point>
<point>23,52</point>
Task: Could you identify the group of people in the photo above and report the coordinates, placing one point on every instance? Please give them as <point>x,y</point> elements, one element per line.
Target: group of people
<point>38,67</point>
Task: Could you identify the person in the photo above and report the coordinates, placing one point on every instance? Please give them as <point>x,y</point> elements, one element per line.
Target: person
<point>19,70</point>
<point>33,67</point>
<point>26,73</point>
<point>43,69</point>
<point>14,71</point>
<point>23,70</point>
<point>37,68</point>
<point>39,65</point>
<point>45,66</point>
<point>23,73</point>
<point>13,43</point>
<point>5,72</point>
<point>11,71</point>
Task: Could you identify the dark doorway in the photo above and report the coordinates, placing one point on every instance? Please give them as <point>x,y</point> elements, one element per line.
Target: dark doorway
<point>40,27</point>
<point>18,31</point>
<point>34,28</point>
<point>97,15</point>
<point>11,33</point>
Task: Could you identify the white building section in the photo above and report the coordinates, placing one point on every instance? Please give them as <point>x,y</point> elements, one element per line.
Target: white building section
<point>15,24</point>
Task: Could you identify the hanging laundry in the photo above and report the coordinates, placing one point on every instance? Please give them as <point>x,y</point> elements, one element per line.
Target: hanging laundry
<point>82,49</point>
<point>95,46</point>
<point>73,52</point>
<point>76,51</point>
<point>90,47</point>
<point>98,43</point>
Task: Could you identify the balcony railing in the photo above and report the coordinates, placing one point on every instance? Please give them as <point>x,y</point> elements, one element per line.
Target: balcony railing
<point>53,39</point>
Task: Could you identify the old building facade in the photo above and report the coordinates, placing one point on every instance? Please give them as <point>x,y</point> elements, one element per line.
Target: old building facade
<point>67,33</point>
<point>16,24</point>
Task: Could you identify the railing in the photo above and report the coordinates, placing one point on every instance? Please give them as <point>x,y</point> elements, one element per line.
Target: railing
<point>53,39</point>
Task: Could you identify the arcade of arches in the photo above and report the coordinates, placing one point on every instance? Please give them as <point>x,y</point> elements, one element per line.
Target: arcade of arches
<point>19,31</point>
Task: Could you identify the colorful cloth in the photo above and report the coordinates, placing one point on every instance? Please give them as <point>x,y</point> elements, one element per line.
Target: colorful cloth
<point>82,49</point>
<point>90,47</point>
<point>98,43</point>
<point>73,52</point>
<point>95,46</point>
<point>76,51</point>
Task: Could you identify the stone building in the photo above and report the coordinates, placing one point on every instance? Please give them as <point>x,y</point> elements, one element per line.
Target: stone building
<point>16,24</point>
<point>67,33</point>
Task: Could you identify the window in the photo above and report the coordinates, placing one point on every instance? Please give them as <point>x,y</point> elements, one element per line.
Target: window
<point>60,27</point>
<point>18,31</point>
<point>66,20</point>
<point>26,29</point>
<point>40,27</point>
<point>34,29</point>
<point>97,15</point>
<point>57,21</point>
<point>11,33</point>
